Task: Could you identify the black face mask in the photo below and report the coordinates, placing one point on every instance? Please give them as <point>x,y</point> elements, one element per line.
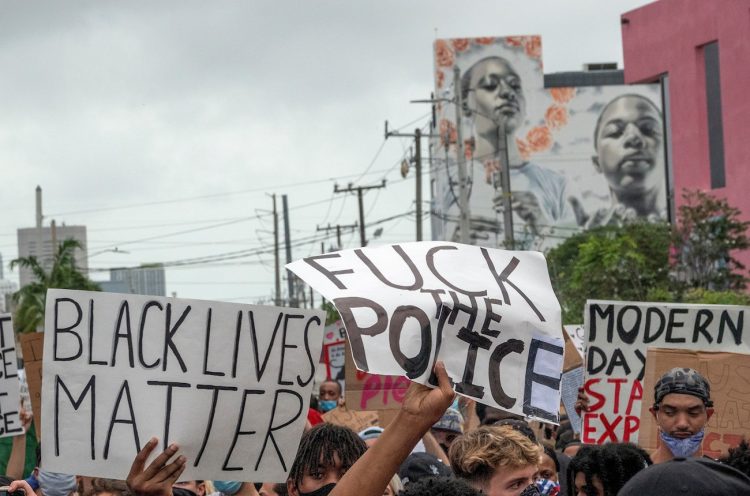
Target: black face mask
<point>322,491</point>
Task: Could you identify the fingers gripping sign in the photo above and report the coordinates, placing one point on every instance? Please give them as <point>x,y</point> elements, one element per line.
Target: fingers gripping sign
<point>428,404</point>
<point>156,479</point>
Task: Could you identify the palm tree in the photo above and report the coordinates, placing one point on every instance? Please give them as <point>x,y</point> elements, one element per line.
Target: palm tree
<point>64,274</point>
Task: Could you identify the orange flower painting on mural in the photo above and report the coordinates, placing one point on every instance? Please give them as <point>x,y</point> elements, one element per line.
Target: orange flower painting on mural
<point>533,46</point>
<point>556,116</point>
<point>562,95</point>
<point>460,44</point>
<point>443,54</point>
<point>539,139</point>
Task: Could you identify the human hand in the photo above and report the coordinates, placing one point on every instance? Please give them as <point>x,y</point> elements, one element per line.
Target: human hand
<point>157,479</point>
<point>20,485</point>
<point>426,405</point>
<point>615,215</point>
<point>582,403</point>
<point>25,417</point>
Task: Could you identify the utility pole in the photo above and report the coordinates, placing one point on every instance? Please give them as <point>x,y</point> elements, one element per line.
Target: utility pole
<point>277,271</point>
<point>463,197</point>
<point>417,135</point>
<point>502,152</point>
<point>338,228</point>
<point>359,189</point>
<point>288,244</point>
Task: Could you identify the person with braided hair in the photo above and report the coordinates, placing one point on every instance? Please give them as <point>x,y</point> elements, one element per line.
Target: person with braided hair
<point>604,469</point>
<point>325,453</point>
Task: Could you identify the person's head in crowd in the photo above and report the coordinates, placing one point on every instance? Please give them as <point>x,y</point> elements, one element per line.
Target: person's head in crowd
<point>739,457</point>
<point>549,465</point>
<point>108,487</point>
<point>197,487</point>
<point>439,486</point>
<point>488,415</point>
<point>394,487</point>
<point>272,489</point>
<point>682,407</point>
<point>418,466</point>
<point>519,425</point>
<point>688,476</point>
<point>329,394</point>
<point>55,484</point>
<point>325,453</point>
<point>448,428</point>
<point>370,435</point>
<point>628,141</point>
<point>497,460</point>
<point>572,447</point>
<point>602,470</point>
<point>226,487</point>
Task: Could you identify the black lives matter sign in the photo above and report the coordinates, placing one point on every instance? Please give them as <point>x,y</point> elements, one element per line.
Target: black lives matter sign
<point>490,315</point>
<point>229,383</point>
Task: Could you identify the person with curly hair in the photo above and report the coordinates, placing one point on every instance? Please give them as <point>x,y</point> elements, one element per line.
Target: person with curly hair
<point>739,457</point>
<point>604,469</point>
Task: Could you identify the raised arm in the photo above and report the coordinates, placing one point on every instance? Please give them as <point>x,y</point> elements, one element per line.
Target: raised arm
<point>422,407</point>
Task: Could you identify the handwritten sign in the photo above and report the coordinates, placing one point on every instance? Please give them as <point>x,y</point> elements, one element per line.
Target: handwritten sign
<point>366,392</point>
<point>490,315</point>
<point>32,346</point>
<point>618,335</point>
<point>577,334</point>
<point>729,376</point>
<point>334,351</point>
<point>229,383</point>
<point>10,398</point>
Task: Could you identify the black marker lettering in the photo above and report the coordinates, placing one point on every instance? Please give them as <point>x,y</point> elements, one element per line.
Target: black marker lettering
<point>496,384</point>
<point>169,333</point>
<point>141,328</point>
<point>535,378</point>
<point>90,386</point>
<point>416,365</point>
<point>345,306</point>
<point>130,420</point>
<point>330,274</point>
<point>430,259</point>
<point>211,414</point>
<point>284,347</point>
<point>409,263</point>
<point>238,432</point>
<point>67,330</point>
<point>502,280</point>
<point>124,312</point>
<point>168,411</point>
<point>206,348</point>
<point>273,428</point>
<point>309,354</point>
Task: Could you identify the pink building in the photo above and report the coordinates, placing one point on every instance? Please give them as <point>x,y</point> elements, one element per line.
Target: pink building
<point>700,50</point>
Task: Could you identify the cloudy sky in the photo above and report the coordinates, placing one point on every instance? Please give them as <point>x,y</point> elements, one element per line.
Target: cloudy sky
<point>164,126</point>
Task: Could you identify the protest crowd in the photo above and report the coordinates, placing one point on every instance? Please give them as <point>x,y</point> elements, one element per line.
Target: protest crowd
<point>440,445</point>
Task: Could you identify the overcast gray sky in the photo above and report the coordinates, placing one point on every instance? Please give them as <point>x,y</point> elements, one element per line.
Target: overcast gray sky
<point>146,119</point>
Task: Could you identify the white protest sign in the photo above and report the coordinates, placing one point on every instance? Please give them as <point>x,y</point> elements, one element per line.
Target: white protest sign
<point>229,383</point>
<point>618,334</point>
<point>10,397</point>
<point>490,315</point>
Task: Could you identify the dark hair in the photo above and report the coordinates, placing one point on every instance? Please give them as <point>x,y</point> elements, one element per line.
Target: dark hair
<point>609,104</point>
<point>438,486</point>
<point>333,381</point>
<point>614,464</point>
<point>280,489</point>
<point>320,444</point>
<point>551,453</point>
<point>113,486</point>
<point>739,457</point>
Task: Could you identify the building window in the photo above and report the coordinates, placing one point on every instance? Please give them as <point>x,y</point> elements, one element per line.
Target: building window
<point>714,115</point>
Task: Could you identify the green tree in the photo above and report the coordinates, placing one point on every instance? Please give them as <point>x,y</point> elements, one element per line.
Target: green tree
<point>610,263</point>
<point>64,274</point>
<point>708,234</point>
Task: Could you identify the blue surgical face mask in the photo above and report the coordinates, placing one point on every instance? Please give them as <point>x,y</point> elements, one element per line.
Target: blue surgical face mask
<point>227,487</point>
<point>327,405</point>
<point>682,448</point>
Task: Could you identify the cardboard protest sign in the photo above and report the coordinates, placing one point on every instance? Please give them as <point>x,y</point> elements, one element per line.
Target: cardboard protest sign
<point>10,398</point>
<point>229,383</point>
<point>578,336</point>
<point>618,334</point>
<point>490,315</point>
<point>368,392</point>
<point>729,376</point>
<point>334,351</point>
<point>32,346</point>
<point>355,420</point>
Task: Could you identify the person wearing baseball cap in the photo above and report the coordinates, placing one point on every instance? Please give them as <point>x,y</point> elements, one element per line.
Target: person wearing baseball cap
<point>688,476</point>
<point>682,407</point>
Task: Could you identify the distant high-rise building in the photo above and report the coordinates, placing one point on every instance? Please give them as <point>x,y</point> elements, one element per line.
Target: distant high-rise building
<point>7,288</point>
<point>38,242</point>
<point>148,279</point>
<point>42,242</point>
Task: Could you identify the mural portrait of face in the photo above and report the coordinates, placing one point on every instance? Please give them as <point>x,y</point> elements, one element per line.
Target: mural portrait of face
<point>493,91</point>
<point>629,145</point>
